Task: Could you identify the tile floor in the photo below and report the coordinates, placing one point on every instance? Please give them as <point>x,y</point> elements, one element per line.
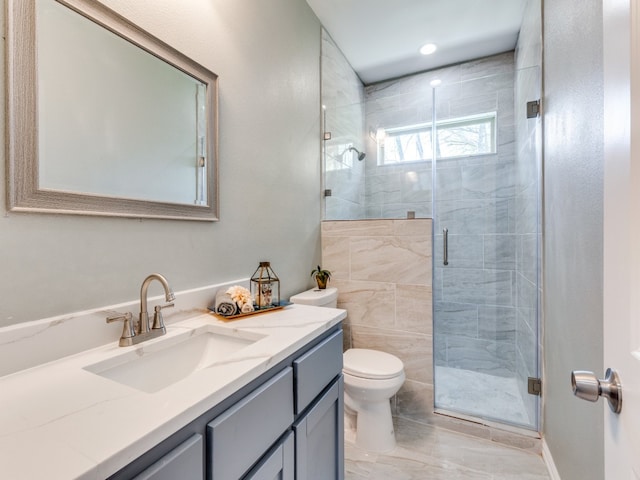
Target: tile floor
<point>431,453</point>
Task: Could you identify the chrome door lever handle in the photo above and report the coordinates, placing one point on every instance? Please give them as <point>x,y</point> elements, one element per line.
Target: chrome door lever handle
<point>587,386</point>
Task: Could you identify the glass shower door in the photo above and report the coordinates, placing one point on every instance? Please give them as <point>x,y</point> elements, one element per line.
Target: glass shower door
<point>486,247</point>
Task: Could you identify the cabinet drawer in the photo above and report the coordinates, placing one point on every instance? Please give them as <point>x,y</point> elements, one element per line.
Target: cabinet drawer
<point>184,462</point>
<point>240,436</point>
<point>315,369</point>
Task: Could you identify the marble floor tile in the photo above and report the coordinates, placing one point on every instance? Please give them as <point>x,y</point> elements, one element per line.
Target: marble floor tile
<point>428,452</point>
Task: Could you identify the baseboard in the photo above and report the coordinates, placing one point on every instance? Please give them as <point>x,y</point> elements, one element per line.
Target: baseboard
<point>548,460</point>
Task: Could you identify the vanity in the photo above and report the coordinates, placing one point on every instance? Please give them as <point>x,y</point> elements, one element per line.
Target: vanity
<point>286,424</point>
<point>256,398</point>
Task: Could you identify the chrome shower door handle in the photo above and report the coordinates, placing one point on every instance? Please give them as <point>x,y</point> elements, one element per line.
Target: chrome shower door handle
<point>445,246</point>
<point>587,386</point>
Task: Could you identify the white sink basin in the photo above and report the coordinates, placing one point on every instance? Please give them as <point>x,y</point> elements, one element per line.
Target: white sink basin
<point>152,366</point>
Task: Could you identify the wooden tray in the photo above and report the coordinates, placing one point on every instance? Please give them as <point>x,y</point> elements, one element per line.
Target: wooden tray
<point>238,316</point>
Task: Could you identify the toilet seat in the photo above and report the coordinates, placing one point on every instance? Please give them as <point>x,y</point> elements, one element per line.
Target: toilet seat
<point>372,364</point>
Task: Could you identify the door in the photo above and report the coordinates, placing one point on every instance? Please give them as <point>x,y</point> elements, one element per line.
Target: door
<point>487,236</point>
<point>320,437</point>
<point>622,233</point>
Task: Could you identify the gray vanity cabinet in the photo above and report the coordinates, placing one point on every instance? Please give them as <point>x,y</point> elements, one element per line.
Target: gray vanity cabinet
<point>279,464</point>
<point>319,425</point>
<point>319,437</point>
<point>183,462</point>
<point>285,425</point>
<point>241,435</point>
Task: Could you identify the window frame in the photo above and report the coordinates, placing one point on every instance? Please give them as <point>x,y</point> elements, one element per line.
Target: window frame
<point>487,117</point>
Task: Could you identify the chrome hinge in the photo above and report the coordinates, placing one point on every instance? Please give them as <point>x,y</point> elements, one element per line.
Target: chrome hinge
<point>533,109</point>
<point>534,386</point>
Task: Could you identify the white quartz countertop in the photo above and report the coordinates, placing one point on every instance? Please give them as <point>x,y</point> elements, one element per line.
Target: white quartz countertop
<point>61,421</point>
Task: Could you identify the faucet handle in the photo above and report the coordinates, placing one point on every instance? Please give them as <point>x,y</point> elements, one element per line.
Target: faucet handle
<point>158,321</point>
<point>128,332</point>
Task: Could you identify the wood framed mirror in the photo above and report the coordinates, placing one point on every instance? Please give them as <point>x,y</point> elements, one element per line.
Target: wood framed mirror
<point>104,118</point>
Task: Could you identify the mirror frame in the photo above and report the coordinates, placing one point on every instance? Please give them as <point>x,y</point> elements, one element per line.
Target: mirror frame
<point>23,192</point>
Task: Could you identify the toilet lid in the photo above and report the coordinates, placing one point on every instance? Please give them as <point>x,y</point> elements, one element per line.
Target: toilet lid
<point>365,363</point>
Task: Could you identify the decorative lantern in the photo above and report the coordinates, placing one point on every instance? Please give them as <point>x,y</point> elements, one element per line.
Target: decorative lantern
<point>265,287</point>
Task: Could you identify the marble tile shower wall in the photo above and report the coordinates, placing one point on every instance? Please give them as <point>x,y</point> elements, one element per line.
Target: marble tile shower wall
<point>393,190</point>
<point>475,295</point>
<point>528,225</point>
<point>382,269</point>
<point>479,86</point>
<point>343,101</point>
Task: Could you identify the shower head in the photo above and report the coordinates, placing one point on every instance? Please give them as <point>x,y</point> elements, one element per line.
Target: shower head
<point>361,155</point>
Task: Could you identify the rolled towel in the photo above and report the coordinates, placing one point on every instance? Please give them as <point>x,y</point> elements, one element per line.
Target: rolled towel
<point>247,307</point>
<point>224,305</point>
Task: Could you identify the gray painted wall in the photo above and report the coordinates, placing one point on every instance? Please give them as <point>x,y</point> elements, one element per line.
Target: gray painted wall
<point>267,57</point>
<point>573,129</point>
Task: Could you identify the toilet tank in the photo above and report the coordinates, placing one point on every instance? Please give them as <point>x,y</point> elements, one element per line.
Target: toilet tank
<point>327,297</point>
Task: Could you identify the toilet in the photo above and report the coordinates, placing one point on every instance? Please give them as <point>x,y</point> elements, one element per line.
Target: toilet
<point>371,378</point>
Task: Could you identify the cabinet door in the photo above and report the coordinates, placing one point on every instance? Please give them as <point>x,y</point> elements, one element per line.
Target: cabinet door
<point>278,464</point>
<point>320,437</point>
<point>184,462</point>
<point>240,436</point>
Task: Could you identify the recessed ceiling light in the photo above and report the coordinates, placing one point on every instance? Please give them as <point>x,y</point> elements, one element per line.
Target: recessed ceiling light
<point>428,49</point>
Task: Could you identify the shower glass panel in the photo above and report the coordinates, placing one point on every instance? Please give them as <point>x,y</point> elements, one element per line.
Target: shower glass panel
<point>360,116</point>
<point>343,126</point>
<point>486,208</point>
<point>344,174</point>
<point>394,177</point>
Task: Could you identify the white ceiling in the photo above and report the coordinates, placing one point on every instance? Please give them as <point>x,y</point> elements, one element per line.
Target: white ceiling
<point>381,38</point>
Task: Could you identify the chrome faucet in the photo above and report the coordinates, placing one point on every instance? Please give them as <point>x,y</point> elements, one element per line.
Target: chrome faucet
<point>143,330</point>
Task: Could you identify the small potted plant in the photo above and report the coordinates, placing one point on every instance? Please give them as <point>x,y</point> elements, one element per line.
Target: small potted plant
<point>321,276</point>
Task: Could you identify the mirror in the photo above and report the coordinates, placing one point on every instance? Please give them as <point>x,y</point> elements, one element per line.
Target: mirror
<point>105,119</point>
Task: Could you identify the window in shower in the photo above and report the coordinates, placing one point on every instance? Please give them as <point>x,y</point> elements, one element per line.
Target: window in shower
<point>456,137</point>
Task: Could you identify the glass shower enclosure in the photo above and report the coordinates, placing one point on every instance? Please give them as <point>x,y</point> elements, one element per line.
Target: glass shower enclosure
<point>461,146</point>
<point>486,250</point>
<point>487,240</point>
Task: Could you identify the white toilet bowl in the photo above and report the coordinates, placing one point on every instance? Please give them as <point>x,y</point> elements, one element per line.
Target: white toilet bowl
<point>371,378</point>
